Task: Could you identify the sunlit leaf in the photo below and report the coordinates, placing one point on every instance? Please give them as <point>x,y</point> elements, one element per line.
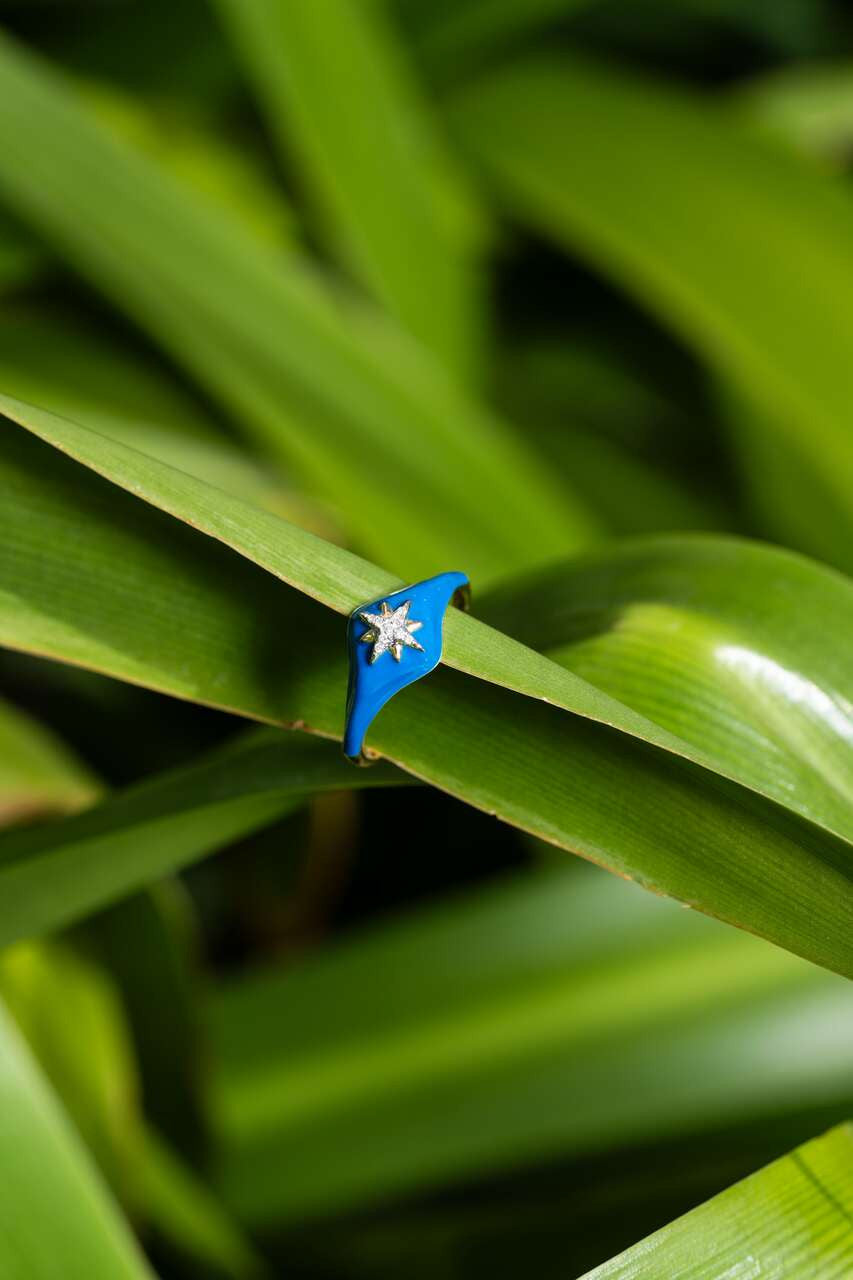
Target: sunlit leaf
<point>790,1219</point>
<point>721,641</point>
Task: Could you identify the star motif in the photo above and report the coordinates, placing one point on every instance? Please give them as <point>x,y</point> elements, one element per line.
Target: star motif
<point>390,630</point>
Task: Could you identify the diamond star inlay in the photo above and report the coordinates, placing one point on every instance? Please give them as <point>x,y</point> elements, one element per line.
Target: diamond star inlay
<point>390,630</point>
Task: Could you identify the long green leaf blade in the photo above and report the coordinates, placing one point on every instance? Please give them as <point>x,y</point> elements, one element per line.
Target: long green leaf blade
<point>791,1219</point>
<point>361,410</point>
<point>713,679</point>
<point>371,153</point>
<point>716,220</point>
<point>144,598</point>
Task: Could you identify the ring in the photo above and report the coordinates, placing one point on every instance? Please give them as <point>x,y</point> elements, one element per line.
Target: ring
<point>393,641</point>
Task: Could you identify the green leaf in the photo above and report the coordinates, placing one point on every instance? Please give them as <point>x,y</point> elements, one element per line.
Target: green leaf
<point>342,581</point>
<point>731,687</point>
<point>54,873</point>
<point>327,572</point>
<point>721,641</point>
<point>53,1204</point>
<point>38,774</point>
<point>393,207</point>
<point>790,1219</point>
<point>715,220</point>
<point>366,415</point>
<point>79,372</point>
<point>70,1013</point>
<point>560,1015</point>
<point>146,599</point>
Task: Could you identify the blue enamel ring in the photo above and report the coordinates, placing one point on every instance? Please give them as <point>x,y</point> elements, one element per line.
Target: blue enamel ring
<point>393,641</point>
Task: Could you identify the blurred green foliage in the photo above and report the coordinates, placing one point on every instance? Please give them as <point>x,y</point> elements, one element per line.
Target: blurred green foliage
<point>302,297</point>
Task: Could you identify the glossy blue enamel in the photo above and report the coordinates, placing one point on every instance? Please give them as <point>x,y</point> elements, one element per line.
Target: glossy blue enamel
<point>372,684</point>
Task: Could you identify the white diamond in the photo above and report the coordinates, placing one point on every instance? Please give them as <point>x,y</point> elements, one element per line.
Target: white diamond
<point>390,630</point>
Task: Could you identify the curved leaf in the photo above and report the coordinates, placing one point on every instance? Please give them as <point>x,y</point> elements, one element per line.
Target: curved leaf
<point>716,219</point>
<point>145,598</point>
<point>721,641</point>
<point>791,1219</point>
<point>550,1017</point>
<point>363,412</point>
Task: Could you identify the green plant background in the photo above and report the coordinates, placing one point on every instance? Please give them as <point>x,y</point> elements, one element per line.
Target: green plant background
<point>300,300</point>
